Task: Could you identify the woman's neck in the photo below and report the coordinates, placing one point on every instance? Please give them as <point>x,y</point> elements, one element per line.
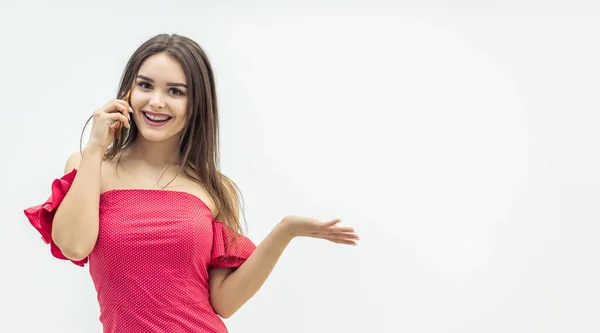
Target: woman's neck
<point>154,154</point>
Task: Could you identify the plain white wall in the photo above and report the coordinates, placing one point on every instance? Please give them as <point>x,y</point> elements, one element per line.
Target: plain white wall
<point>459,140</point>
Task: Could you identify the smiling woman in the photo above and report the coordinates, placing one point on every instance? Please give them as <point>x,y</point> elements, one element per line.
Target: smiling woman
<point>160,83</point>
<point>164,256</point>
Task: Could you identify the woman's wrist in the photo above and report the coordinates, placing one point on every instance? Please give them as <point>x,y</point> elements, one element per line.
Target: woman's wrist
<point>285,229</point>
<point>93,151</point>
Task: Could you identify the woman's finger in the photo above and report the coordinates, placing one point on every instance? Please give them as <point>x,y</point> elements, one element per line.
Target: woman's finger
<point>341,240</point>
<point>345,235</point>
<point>116,117</point>
<point>331,223</point>
<point>338,229</point>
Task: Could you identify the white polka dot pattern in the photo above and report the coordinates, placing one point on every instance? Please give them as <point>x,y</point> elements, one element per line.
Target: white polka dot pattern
<point>151,259</point>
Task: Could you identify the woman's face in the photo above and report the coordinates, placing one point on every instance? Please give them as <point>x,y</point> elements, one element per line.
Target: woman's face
<point>159,98</point>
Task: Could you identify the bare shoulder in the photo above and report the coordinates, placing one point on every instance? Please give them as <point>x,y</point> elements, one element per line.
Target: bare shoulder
<point>192,187</point>
<point>73,162</point>
<point>187,184</point>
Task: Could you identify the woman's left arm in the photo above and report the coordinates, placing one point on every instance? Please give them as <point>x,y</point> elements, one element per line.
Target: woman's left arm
<point>230,289</point>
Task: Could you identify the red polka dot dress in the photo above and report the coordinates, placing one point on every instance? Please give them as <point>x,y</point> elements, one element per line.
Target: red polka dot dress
<point>151,259</point>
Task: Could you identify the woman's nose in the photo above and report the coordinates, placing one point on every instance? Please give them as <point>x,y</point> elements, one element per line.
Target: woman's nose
<point>157,101</point>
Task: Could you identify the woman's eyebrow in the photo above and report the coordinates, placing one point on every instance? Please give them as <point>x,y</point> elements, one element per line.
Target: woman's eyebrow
<point>171,84</point>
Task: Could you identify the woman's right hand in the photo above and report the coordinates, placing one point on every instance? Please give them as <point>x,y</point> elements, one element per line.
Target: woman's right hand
<point>105,121</point>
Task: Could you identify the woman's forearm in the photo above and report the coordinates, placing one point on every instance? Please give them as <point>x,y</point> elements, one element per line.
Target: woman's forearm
<point>239,286</point>
<point>75,224</point>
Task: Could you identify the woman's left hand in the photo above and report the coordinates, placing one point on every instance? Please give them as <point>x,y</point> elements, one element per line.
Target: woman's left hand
<point>308,227</point>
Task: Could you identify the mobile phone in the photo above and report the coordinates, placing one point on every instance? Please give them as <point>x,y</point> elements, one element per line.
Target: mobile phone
<point>120,124</point>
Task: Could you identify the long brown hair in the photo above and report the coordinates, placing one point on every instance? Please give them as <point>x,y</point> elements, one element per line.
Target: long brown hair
<point>199,141</point>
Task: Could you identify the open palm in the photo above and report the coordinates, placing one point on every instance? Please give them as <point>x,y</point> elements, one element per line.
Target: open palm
<point>329,230</point>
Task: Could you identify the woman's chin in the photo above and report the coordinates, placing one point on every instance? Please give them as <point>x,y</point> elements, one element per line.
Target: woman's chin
<point>154,135</point>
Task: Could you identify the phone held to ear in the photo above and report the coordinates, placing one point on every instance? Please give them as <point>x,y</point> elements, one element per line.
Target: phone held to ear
<point>120,125</point>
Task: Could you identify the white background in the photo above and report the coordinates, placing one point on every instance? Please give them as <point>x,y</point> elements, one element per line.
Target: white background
<point>460,140</point>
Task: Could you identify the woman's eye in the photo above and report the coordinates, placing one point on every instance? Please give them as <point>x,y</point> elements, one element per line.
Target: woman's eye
<point>177,92</point>
<point>174,91</point>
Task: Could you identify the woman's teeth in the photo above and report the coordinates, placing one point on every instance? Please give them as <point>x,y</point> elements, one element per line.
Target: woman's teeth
<point>157,118</point>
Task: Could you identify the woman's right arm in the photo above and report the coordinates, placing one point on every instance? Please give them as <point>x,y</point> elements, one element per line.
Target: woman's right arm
<point>75,224</point>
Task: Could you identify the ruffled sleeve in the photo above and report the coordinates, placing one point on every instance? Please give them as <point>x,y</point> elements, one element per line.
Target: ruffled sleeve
<point>228,251</point>
<point>41,216</point>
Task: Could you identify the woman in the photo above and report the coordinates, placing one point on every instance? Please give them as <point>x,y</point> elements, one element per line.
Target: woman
<point>146,206</point>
